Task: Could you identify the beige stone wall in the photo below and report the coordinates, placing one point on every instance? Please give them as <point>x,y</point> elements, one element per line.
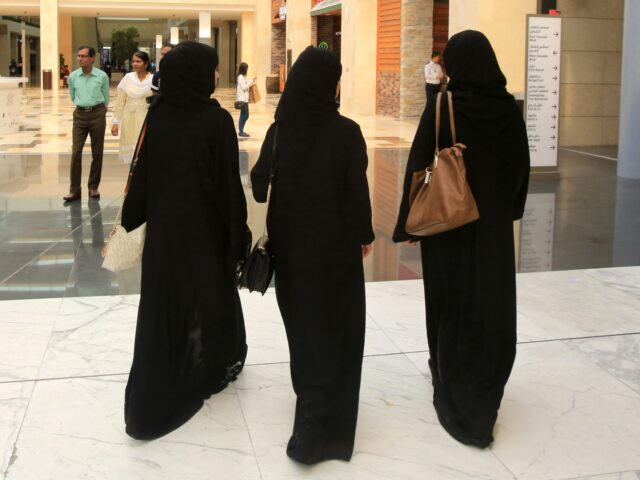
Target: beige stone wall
<point>504,23</point>
<point>590,71</point>
<point>415,49</point>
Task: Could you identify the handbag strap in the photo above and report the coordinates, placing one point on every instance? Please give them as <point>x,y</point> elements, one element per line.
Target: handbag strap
<point>134,162</point>
<point>452,123</point>
<point>271,172</point>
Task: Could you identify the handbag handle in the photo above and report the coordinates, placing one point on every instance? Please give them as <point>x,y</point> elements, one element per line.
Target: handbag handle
<point>134,162</point>
<point>452,123</point>
<point>271,174</point>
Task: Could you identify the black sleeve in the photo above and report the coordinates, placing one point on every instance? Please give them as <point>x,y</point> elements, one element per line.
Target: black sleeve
<point>358,205</point>
<point>521,167</point>
<point>261,170</point>
<point>420,156</point>
<point>134,210</point>
<point>228,186</point>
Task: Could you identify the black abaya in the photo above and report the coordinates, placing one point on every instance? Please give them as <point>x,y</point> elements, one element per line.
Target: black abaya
<point>319,218</point>
<point>469,272</point>
<point>190,337</point>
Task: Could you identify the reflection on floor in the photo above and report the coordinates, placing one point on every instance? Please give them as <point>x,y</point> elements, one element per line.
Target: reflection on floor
<point>571,409</point>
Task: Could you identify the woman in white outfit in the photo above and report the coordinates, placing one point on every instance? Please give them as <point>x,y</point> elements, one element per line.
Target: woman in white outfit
<point>131,105</point>
<point>242,95</point>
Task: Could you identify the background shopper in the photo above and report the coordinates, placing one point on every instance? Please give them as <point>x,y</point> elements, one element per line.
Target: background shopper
<point>469,272</point>
<point>131,105</point>
<point>242,95</point>
<point>433,74</point>
<point>319,222</point>
<point>89,90</point>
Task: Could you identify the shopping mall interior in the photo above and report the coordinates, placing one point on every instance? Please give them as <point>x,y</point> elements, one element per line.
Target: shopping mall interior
<point>571,409</point>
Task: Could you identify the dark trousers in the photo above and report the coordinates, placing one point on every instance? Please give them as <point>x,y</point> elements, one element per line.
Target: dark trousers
<point>432,89</point>
<point>244,116</point>
<point>85,123</point>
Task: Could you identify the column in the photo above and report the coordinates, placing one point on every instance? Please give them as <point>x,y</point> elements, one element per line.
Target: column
<point>65,44</point>
<point>49,57</point>
<point>358,56</point>
<point>204,28</point>
<point>246,41</point>
<point>175,35</point>
<point>224,62</point>
<point>262,44</point>
<point>298,26</point>
<point>628,139</point>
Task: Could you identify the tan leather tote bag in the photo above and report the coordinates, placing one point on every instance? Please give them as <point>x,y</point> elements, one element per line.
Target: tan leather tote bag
<point>440,198</point>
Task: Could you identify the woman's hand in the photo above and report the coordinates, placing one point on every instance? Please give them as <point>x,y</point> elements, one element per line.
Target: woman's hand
<point>114,130</point>
<point>366,250</point>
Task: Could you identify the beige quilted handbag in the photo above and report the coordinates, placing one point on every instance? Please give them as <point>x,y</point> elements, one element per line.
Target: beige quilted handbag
<point>124,249</point>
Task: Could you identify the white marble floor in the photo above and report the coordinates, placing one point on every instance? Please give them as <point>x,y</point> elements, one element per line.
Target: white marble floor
<point>571,409</point>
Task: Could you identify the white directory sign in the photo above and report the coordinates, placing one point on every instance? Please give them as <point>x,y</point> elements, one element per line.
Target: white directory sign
<point>542,93</point>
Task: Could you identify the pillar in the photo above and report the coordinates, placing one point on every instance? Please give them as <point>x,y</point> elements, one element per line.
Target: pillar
<point>262,44</point>
<point>49,57</point>
<point>246,41</point>
<point>358,56</point>
<point>204,28</point>
<point>628,138</point>
<point>224,61</point>
<point>298,26</point>
<point>65,44</point>
<point>175,36</point>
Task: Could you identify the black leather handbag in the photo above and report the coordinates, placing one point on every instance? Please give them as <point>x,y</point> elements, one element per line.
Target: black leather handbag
<point>239,104</point>
<point>257,271</point>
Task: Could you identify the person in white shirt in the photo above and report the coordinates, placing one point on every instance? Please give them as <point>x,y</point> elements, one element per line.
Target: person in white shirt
<point>242,97</point>
<point>433,74</point>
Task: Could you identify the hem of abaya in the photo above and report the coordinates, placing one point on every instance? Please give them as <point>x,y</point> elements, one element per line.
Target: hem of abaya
<point>458,433</point>
<point>312,451</point>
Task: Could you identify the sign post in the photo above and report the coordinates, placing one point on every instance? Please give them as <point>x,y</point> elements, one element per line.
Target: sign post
<point>542,91</point>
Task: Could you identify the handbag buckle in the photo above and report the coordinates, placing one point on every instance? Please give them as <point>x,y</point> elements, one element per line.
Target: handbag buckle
<point>427,177</point>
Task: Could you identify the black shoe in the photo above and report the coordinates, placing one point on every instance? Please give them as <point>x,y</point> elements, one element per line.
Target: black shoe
<point>244,135</point>
<point>72,197</point>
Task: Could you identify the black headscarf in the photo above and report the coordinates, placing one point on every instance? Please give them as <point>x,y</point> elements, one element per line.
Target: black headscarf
<point>310,92</point>
<point>188,72</point>
<point>472,65</point>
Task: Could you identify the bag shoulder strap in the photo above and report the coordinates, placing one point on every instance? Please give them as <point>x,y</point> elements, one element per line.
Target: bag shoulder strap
<point>134,162</point>
<point>452,123</point>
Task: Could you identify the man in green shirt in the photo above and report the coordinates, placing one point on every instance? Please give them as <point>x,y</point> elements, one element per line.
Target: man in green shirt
<point>89,89</point>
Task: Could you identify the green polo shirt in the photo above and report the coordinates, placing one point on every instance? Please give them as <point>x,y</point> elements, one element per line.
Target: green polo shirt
<point>89,90</point>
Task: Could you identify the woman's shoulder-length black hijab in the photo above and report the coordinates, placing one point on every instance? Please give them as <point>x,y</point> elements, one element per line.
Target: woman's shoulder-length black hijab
<point>310,92</point>
<point>188,75</point>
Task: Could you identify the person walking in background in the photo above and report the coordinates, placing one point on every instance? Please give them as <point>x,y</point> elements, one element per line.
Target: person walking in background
<point>131,105</point>
<point>319,223</point>
<point>242,95</point>
<point>89,90</point>
<point>155,81</point>
<point>13,68</point>
<point>190,336</point>
<point>469,272</point>
<point>433,74</point>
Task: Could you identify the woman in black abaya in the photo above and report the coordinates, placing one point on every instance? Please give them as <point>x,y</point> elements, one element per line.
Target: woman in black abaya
<point>190,337</point>
<point>319,223</point>
<point>469,272</point>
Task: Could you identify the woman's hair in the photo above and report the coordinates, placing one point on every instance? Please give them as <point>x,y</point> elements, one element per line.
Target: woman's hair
<point>144,56</point>
<point>242,69</point>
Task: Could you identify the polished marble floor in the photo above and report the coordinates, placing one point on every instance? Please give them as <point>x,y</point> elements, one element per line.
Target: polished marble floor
<point>571,409</point>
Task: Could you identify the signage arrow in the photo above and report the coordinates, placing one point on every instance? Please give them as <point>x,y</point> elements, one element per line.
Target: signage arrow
<point>556,34</point>
<point>555,67</point>
<point>553,137</point>
<point>554,106</point>
<point>554,117</point>
<point>555,92</point>
<point>552,147</point>
<point>553,127</point>
<point>555,53</point>
<point>555,78</point>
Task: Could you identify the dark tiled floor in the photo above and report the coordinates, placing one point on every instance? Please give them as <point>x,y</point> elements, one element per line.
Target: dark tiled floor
<point>586,218</point>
